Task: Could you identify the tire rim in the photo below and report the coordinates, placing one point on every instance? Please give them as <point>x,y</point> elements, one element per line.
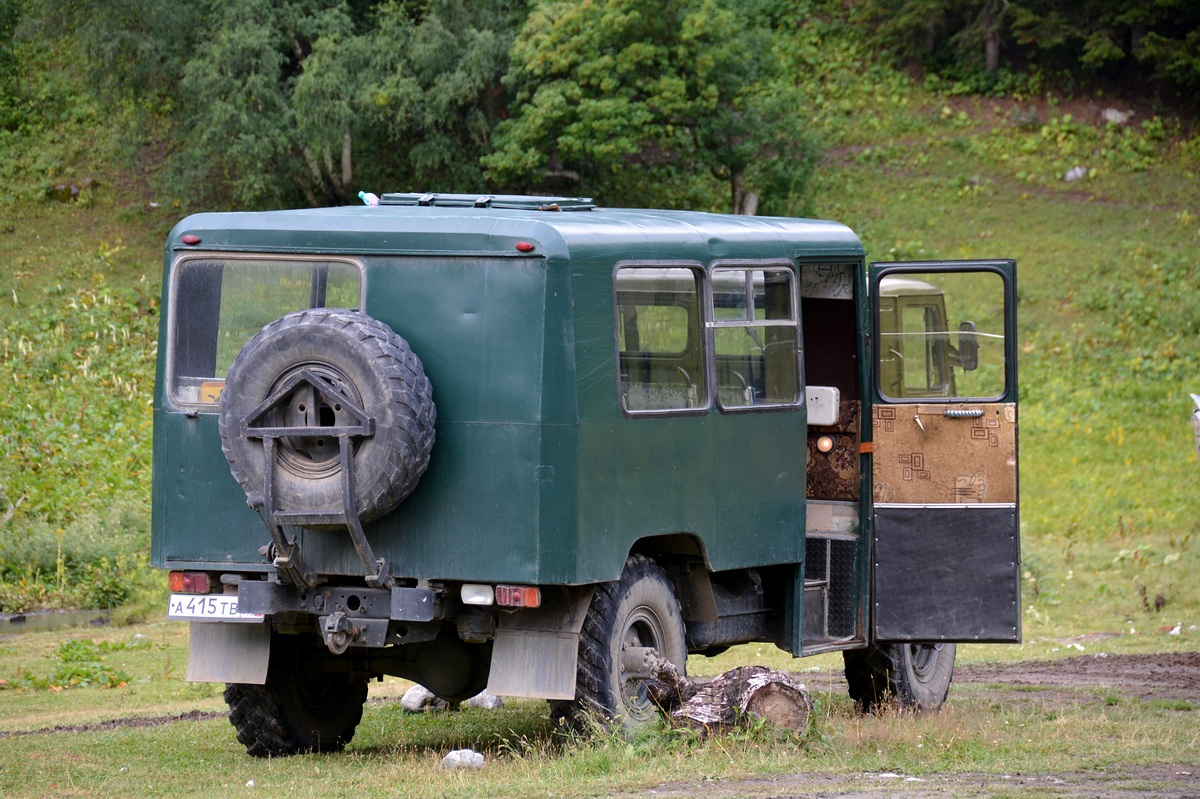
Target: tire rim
<point>313,457</point>
<point>642,629</point>
<point>923,659</point>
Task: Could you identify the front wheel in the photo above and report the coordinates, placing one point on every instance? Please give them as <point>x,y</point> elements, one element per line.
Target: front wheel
<point>914,676</point>
<point>302,707</point>
<point>626,618</point>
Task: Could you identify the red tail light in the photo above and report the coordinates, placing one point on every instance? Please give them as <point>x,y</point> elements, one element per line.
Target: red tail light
<point>188,582</point>
<point>518,596</point>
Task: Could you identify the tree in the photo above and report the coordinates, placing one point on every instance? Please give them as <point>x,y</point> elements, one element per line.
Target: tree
<point>278,102</point>
<point>919,30</point>
<point>1097,40</point>
<point>650,103</point>
<point>435,94</point>
<point>1157,40</point>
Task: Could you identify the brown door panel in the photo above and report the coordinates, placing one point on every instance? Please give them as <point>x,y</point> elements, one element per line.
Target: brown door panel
<point>938,454</point>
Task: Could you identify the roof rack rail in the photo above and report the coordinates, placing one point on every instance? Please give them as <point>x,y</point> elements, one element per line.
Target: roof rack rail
<point>507,201</point>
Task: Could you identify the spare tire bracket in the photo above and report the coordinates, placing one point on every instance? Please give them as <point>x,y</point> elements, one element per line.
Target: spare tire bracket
<point>287,558</point>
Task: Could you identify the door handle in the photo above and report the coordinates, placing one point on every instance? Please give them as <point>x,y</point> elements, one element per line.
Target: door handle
<point>958,413</point>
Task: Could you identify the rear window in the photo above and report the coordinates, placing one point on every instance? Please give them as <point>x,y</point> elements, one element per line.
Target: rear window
<point>217,304</point>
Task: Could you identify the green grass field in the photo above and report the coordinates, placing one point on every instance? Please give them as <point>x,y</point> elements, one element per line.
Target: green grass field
<point>1089,728</point>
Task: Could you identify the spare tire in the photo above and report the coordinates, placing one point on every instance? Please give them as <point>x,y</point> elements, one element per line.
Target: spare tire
<point>370,365</point>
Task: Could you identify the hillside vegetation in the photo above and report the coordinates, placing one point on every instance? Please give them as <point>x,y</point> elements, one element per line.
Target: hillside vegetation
<point>1109,312</point>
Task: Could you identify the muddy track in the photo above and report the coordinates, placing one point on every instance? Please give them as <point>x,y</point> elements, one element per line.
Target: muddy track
<point>114,724</point>
<point>1146,677</point>
<point>1172,676</point>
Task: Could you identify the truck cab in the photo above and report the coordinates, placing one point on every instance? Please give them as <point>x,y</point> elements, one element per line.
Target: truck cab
<point>519,443</point>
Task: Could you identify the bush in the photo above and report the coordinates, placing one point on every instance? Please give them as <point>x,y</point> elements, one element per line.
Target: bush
<point>96,561</point>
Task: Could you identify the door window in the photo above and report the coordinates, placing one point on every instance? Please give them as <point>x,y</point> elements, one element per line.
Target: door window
<point>941,335</point>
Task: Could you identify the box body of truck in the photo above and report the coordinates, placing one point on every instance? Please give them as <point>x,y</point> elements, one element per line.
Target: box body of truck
<point>448,437</point>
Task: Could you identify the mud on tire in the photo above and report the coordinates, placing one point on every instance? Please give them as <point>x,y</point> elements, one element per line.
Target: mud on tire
<point>374,368</point>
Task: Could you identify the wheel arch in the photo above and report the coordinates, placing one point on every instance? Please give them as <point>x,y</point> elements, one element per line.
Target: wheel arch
<point>684,558</point>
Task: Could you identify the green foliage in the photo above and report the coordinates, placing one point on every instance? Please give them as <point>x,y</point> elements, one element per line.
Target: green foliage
<point>652,104</point>
<point>133,46</point>
<point>78,427</point>
<point>850,97</point>
<point>75,457</point>
<point>95,561</point>
<point>81,665</point>
<point>48,117</point>
<point>962,34</point>
<point>305,101</point>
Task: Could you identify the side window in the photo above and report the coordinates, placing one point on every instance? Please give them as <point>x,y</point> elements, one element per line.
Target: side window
<point>941,335</point>
<point>756,336</point>
<point>659,342</point>
<point>218,304</point>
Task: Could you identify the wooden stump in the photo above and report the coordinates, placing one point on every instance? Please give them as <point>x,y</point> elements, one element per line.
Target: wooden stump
<point>736,698</point>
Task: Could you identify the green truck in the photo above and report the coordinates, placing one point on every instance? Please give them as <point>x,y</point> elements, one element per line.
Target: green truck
<point>522,443</point>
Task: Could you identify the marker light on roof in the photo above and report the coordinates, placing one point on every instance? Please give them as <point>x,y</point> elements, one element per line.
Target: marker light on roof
<point>524,246</point>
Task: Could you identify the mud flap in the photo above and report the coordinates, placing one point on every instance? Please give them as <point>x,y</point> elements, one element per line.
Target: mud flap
<point>223,652</point>
<point>536,651</point>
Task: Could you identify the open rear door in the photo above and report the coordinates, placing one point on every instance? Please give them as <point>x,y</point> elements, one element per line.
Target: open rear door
<point>944,423</point>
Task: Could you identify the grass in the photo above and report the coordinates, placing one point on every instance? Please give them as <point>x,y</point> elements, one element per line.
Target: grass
<point>401,754</point>
<point>1090,729</point>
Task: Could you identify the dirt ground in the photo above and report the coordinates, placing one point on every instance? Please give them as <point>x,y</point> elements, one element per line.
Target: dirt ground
<point>1165,677</point>
<point>1145,677</point>
<point>1175,782</point>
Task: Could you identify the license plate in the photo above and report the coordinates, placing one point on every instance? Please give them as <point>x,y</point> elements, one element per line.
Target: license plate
<point>208,607</point>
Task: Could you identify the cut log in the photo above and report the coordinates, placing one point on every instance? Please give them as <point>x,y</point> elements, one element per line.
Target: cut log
<point>737,698</point>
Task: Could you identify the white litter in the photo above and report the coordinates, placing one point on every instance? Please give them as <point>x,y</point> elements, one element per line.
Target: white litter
<point>463,758</point>
<point>418,699</point>
<point>486,701</point>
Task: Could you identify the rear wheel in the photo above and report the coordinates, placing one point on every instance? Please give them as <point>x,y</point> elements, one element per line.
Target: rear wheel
<point>914,676</point>
<point>302,707</point>
<point>626,618</point>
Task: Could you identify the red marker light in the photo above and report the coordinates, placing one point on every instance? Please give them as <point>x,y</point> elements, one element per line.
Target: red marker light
<point>524,246</point>
<point>190,238</point>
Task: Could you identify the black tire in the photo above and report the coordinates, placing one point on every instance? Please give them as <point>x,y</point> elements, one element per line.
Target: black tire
<point>301,707</point>
<point>639,610</point>
<point>912,676</point>
<point>375,368</point>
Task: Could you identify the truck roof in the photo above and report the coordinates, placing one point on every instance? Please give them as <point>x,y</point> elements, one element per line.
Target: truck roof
<point>559,228</point>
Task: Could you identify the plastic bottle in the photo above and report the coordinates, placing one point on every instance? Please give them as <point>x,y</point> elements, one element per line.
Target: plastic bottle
<point>368,198</point>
